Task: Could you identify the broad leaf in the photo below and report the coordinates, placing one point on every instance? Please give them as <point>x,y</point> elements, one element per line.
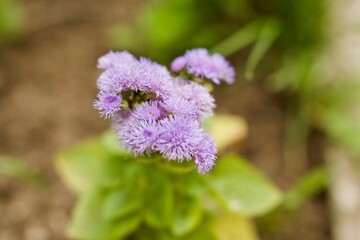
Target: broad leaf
<point>242,189</point>
<point>187,215</point>
<point>122,202</point>
<point>90,223</point>
<point>91,163</point>
<point>160,202</point>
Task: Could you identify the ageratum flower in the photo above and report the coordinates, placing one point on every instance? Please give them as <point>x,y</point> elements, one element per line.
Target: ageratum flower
<point>115,59</point>
<point>196,95</point>
<point>200,63</point>
<point>179,106</point>
<point>151,111</point>
<point>138,136</point>
<point>107,103</point>
<point>136,79</point>
<point>154,112</point>
<point>178,137</point>
<point>204,156</point>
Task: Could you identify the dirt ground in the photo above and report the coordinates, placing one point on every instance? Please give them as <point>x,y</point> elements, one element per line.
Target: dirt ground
<point>47,86</point>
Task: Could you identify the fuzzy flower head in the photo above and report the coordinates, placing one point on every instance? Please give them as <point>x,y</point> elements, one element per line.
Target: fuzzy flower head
<point>196,95</point>
<point>138,136</point>
<point>178,138</point>
<point>150,111</point>
<point>204,156</point>
<point>179,106</point>
<point>154,112</point>
<point>115,59</point>
<point>107,104</point>
<point>131,80</point>
<point>200,63</point>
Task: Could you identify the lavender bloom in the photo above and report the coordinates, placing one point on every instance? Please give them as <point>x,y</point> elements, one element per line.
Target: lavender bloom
<point>178,64</point>
<point>224,70</point>
<point>138,136</point>
<point>144,76</point>
<point>179,106</point>
<point>137,76</point>
<point>204,156</point>
<point>202,65</point>
<point>178,138</point>
<point>196,95</point>
<point>107,104</point>
<point>164,113</point>
<point>115,59</point>
<point>150,110</point>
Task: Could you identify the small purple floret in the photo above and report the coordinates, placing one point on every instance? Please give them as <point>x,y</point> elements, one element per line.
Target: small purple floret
<point>178,64</point>
<point>107,104</point>
<point>203,65</point>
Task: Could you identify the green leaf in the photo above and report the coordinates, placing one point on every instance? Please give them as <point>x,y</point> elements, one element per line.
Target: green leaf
<point>90,223</point>
<point>238,40</point>
<point>195,184</point>
<point>123,202</point>
<point>202,232</point>
<point>242,189</point>
<point>267,36</point>
<point>18,169</point>
<point>91,164</point>
<point>234,226</point>
<point>160,202</point>
<point>187,215</point>
<point>308,186</point>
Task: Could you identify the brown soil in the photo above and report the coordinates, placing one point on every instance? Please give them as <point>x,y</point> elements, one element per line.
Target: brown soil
<point>47,85</point>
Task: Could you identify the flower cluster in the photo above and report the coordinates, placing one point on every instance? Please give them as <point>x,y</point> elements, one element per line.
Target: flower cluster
<point>199,63</point>
<point>156,112</point>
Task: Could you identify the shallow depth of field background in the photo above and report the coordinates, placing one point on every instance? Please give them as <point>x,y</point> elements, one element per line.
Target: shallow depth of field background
<point>297,65</point>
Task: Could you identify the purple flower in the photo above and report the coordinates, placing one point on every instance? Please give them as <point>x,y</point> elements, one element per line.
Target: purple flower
<point>138,136</point>
<point>196,95</point>
<point>224,70</point>
<point>115,59</point>
<point>178,137</point>
<point>204,154</point>
<point>150,111</point>
<point>200,64</point>
<point>164,114</point>
<point>178,64</point>
<point>179,106</point>
<point>143,76</point>
<point>107,104</point>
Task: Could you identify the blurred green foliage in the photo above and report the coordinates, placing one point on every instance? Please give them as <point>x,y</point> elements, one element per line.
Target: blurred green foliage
<point>121,196</point>
<point>282,40</point>
<point>17,169</point>
<point>164,29</point>
<point>308,186</point>
<point>10,19</point>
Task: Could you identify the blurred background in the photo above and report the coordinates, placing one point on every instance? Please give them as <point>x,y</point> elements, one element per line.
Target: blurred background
<point>298,70</point>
